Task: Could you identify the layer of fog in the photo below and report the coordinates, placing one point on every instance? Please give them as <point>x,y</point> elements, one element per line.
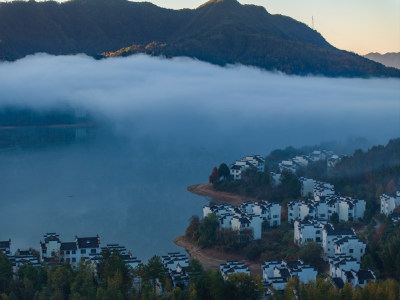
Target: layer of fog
<point>171,122</point>
<point>193,98</point>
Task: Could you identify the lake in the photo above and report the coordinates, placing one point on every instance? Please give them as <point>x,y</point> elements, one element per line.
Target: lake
<point>164,129</point>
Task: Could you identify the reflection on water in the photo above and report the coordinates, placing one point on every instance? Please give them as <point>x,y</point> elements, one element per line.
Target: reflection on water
<point>28,137</point>
<point>81,183</point>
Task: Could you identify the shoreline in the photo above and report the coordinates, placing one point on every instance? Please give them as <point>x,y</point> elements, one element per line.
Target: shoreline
<point>211,258</point>
<point>206,189</point>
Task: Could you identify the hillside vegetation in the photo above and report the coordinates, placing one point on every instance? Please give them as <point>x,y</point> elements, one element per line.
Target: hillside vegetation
<point>221,32</point>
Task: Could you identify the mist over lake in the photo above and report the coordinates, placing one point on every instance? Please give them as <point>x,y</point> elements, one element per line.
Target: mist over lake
<point>162,124</point>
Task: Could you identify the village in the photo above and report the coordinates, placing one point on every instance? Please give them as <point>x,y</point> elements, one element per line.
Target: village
<point>311,220</point>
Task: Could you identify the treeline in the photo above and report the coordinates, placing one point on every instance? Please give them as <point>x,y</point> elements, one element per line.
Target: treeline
<point>15,116</point>
<point>114,280</point>
<point>325,289</point>
<point>261,185</point>
<point>277,243</point>
<point>382,254</point>
<point>364,175</point>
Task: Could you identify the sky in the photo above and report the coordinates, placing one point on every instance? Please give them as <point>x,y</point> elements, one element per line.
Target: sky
<point>360,26</point>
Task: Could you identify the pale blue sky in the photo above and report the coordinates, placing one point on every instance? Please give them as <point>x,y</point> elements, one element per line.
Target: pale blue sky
<point>361,26</point>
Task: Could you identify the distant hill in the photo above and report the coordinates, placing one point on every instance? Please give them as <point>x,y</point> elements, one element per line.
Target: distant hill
<point>389,59</point>
<point>220,31</point>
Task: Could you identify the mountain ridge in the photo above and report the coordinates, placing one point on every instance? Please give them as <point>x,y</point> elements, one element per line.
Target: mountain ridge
<point>219,31</point>
<point>390,59</point>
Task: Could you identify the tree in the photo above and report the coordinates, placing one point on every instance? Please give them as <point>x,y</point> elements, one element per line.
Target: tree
<point>214,177</point>
<point>246,286</point>
<point>192,231</point>
<point>154,272</point>
<point>334,219</point>
<point>312,254</point>
<point>5,273</point>
<point>224,172</point>
<point>208,230</point>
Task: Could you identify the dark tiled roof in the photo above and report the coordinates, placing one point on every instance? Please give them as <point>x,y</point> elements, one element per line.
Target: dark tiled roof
<point>5,244</point>
<point>365,275</point>
<point>51,238</point>
<point>88,242</point>
<point>68,246</point>
<point>339,282</point>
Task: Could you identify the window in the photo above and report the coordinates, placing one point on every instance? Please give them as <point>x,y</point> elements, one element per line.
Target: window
<point>44,251</point>
<point>351,250</point>
<point>67,252</point>
<point>93,251</point>
<point>73,259</point>
<point>83,251</point>
<point>73,252</point>
<point>318,231</point>
<point>68,260</point>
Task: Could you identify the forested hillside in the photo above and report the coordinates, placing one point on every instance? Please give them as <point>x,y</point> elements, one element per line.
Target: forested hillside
<point>220,32</point>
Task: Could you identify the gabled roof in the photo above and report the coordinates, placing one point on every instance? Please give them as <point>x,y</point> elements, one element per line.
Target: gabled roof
<point>70,246</point>
<point>88,242</point>
<point>339,282</point>
<point>5,244</point>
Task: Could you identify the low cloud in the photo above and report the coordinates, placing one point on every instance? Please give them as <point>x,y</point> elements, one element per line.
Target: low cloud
<point>185,96</point>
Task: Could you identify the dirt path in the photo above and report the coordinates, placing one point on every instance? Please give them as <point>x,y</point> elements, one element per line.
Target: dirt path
<point>212,258</point>
<point>206,189</point>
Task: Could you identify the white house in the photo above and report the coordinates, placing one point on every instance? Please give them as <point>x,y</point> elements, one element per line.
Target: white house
<point>322,189</point>
<point>250,215</point>
<point>276,178</point>
<point>24,257</point>
<point>350,209</point>
<point>251,161</point>
<point>389,203</point>
<point>289,165</point>
<point>349,246</point>
<point>174,260</point>
<point>233,267</point>
<point>277,274</point>
<point>72,252</point>
<point>307,186</point>
<point>50,248</point>
<point>5,247</point>
<point>333,241</point>
<point>248,222</point>
<point>308,231</point>
<point>270,212</point>
<point>346,269</point>
<point>176,264</point>
<point>342,263</point>
<point>330,235</point>
<point>347,208</point>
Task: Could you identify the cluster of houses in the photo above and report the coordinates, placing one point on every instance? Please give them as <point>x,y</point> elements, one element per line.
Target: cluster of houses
<point>388,204</point>
<point>324,203</point>
<point>277,274</point>
<point>53,251</point>
<point>88,250</point>
<point>341,248</point>
<point>253,161</point>
<point>304,160</point>
<point>249,216</point>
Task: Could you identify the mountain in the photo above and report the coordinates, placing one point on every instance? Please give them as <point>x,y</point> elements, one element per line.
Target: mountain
<point>389,59</point>
<point>219,31</point>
